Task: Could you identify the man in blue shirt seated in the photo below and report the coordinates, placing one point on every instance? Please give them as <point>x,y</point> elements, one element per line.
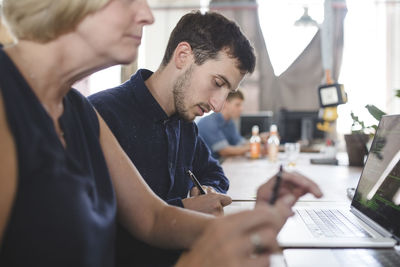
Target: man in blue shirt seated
<point>219,131</point>
<point>152,116</point>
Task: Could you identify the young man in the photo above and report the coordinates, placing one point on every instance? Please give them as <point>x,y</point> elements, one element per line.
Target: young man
<point>219,131</point>
<point>152,116</point>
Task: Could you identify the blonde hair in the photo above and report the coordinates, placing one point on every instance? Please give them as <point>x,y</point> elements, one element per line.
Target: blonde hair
<point>45,20</point>
<point>5,37</point>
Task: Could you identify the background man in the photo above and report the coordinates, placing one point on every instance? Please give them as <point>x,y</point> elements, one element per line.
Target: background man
<point>219,131</point>
<point>152,116</point>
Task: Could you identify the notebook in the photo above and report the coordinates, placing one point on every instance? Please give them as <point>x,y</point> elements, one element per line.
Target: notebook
<point>373,219</point>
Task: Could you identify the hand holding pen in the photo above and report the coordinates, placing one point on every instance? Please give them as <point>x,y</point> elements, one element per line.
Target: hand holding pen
<point>212,203</point>
<point>275,189</point>
<point>196,182</point>
<point>286,186</point>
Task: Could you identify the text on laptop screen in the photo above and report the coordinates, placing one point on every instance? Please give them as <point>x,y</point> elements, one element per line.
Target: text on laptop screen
<point>378,191</point>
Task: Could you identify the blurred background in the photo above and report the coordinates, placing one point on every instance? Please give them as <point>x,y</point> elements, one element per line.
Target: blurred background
<point>300,45</point>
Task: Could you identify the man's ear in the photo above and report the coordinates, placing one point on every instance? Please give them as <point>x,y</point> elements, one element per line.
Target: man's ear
<point>183,55</point>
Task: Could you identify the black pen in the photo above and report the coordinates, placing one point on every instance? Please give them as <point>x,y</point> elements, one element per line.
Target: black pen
<point>275,190</point>
<point>196,182</point>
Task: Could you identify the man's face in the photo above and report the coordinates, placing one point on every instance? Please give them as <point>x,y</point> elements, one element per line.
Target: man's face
<point>234,107</point>
<point>202,88</point>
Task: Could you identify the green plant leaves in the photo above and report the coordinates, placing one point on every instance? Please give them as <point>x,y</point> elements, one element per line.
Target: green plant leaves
<point>375,112</point>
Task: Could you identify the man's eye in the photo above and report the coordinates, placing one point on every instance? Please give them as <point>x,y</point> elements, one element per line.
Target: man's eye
<point>219,84</point>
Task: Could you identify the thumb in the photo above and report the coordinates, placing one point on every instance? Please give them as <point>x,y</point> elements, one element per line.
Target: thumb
<point>194,191</point>
<point>225,200</point>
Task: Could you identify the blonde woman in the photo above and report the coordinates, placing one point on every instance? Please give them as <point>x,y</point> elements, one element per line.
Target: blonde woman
<point>64,179</point>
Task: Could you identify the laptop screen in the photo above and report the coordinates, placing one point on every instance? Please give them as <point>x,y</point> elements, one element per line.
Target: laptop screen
<point>378,190</point>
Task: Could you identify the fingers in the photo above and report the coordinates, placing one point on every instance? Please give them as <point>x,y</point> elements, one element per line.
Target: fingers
<point>242,239</point>
<point>262,216</point>
<point>194,191</point>
<point>209,189</point>
<point>219,203</point>
<point>264,191</point>
<point>225,200</point>
<point>263,241</point>
<point>292,183</point>
<point>257,261</point>
<point>280,211</point>
<point>300,181</point>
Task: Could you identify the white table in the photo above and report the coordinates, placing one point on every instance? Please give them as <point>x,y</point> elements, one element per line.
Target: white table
<point>246,175</point>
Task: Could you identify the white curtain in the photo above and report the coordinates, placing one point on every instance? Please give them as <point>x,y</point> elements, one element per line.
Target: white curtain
<point>296,88</point>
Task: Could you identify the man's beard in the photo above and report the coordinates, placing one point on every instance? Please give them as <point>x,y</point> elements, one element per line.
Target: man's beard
<point>180,85</point>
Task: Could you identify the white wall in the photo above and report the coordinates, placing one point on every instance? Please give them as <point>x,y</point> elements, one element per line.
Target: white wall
<point>167,14</point>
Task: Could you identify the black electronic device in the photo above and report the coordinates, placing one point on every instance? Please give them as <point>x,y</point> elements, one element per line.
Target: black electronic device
<point>262,119</point>
<point>294,126</point>
<point>325,161</point>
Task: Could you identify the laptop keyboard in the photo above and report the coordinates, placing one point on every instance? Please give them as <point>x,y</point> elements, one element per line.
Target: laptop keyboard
<point>330,223</point>
<point>368,257</point>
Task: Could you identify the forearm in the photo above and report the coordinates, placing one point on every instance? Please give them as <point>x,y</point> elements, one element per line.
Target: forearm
<point>177,228</point>
<point>234,150</point>
<point>140,211</point>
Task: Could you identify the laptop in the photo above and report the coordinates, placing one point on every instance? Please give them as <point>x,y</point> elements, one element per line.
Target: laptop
<point>341,257</point>
<point>373,219</point>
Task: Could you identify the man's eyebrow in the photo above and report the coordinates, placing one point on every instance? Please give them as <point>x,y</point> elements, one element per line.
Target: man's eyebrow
<point>225,80</point>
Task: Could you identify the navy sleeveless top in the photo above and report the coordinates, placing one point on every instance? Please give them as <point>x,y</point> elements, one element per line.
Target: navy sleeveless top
<point>65,208</point>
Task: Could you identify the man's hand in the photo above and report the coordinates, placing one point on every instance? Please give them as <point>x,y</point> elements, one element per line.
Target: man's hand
<point>292,183</point>
<point>196,192</point>
<point>212,203</point>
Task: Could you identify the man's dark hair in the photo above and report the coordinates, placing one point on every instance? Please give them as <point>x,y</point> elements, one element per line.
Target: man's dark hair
<point>237,94</point>
<point>209,34</point>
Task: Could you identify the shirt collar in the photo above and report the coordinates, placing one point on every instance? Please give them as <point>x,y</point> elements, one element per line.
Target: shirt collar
<point>145,99</point>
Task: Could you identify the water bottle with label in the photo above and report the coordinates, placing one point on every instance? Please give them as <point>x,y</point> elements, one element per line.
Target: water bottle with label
<point>255,143</point>
<point>273,143</point>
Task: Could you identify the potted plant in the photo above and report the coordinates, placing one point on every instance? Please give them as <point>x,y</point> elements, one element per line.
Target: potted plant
<point>356,142</point>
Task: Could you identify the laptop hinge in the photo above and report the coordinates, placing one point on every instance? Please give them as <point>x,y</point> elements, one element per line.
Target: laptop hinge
<point>371,223</point>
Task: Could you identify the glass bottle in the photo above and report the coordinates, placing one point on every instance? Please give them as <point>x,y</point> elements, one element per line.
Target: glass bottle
<point>273,143</point>
<point>255,143</point>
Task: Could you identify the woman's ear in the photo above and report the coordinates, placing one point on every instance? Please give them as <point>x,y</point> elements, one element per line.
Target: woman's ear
<point>183,55</point>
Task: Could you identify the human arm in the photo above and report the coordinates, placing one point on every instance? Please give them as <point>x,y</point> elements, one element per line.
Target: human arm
<point>222,138</point>
<point>211,203</point>
<point>210,175</point>
<point>228,241</point>
<point>238,150</point>
<point>237,146</point>
<point>8,171</point>
<point>139,210</point>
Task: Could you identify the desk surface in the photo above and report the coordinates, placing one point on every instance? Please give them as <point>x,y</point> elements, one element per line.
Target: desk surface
<point>246,175</point>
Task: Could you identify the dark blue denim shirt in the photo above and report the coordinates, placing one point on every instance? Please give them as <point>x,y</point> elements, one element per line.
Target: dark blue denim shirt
<point>162,148</point>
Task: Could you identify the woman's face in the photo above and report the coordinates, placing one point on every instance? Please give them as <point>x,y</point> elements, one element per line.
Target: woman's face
<point>114,32</point>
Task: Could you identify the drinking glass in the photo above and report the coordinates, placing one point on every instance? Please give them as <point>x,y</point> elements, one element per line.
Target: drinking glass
<point>292,151</point>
